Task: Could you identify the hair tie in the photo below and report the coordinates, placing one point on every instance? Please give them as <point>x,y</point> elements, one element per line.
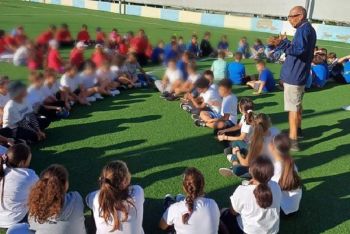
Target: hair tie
<point>104,180</point>
<point>249,111</point>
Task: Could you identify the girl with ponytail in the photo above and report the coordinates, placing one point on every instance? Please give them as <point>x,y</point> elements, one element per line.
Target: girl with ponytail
<point>16,180</point>
<point>255,206</point>
<point>195,213</point>
<point>117,206</point>
<point>286,174</point>
<point>259,141</point>
<point>51,208</point>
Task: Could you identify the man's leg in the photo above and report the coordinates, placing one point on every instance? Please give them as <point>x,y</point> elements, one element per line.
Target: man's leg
<point>293,125</point>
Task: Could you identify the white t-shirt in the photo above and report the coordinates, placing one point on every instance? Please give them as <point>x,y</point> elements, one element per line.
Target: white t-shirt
<point>204,219</point>
<point>193,78</point>
<point>290,199</point>
<point>51,90</point>
<point>72,83</point>
<point>252,218</point>
<point>3,100</point>
<point>245,128</point>
<point>133,225</point>
<point>173,75</point>
<point>229,106</point>
<point>18,182</point>
<point>15,112</point>
<point>88,81</point>
<point>36,96</point>
<point>20,56</point>
<point>212,98</point>
<point>105,76</point>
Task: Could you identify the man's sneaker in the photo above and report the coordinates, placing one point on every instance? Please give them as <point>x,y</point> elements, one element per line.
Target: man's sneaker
<point>199,123</point>
<point>98,96</point>
<point>227,172</point>
<point>195,117</point>
<point>294,146</point>
<point>91,99</point>
<point>300,133</point>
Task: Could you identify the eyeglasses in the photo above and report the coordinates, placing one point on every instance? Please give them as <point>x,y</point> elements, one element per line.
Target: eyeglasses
<point>293,16</point>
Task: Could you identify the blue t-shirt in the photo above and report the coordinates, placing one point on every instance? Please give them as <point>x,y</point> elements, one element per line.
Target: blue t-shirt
<point>267,77</point>
<point>223,45</point>
<point>156,53</point>
<point>181,65</point>
<point>346,73</point>
<point>236,72</point>
<point>193,49</point>
<point>320,74</point>
<point>170,54</point>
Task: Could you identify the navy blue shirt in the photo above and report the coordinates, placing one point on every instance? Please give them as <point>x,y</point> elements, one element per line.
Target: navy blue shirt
<point>182,66</point>
<point>299,54</point>
<point>267,77</point>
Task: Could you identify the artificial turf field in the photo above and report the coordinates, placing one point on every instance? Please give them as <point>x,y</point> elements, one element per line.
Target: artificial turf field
<point>158,140</point>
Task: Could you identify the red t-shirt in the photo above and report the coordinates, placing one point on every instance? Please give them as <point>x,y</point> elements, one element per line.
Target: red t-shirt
<point>20,39</point>
<point>76,57</point>
<point>10,41</point>
<point>123,48</point>
<point>35,59</point>
<point>149,50</point>
<point>98,58</point>
<point>100,36</point>
<point>54,60</point>
<point>63,35</point>
<point>2,45</point>
<point>139,44</point>
<point>83,36</point>
<point>44,38</point>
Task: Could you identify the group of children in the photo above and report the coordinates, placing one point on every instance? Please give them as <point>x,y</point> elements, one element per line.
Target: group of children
<point>255,151</point>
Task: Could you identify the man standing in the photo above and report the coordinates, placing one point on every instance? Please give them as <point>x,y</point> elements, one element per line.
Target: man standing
<point>296,68</point>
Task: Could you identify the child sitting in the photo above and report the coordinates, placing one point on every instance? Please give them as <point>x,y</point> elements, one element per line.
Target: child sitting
<point>35,57</point>
<point>99,56</point>
<point>157,56</point>
<point>72,90</point>
<point>242,157</point>
<point>255,206</point>
<point>115,200</point>
<point>83,35</point>
<point>52,209</point>
<point>76,57</point>
<point>172,80</point>
<point>88,79</point>
<point>258,50</point>
<point>135,71</point>
<point>37,99</point>
<point>319,73</point>
<point>187,215</point>
<point>107,80</point>
<point>120,70</point>
<point>20,57</point>
<point>20,118</point>
<point>44,38</point>
<point>239,135</point>
<point>16,181</point>
<point>54,60</point>
<point>223,45</point>
<point>266,82</point>
<point>64,37</point>
<point>193,47</point>
<point>336,68</point>
<point>100,36</point>
<point>228,115</point>
<point>193,76</point>
<point>206,49</point>
<point>285,174</point>
<point>236,70</point>
<point>243,48</point>
<point>219,66</point>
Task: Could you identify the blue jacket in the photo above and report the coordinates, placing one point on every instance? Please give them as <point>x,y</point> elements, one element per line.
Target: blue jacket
<point>299,54</point>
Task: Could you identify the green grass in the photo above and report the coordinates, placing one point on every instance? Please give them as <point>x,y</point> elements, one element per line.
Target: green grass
<point>158,140</point>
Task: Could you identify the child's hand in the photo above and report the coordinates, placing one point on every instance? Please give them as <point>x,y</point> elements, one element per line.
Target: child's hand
<point>236,150</point>
<point>221,132</point>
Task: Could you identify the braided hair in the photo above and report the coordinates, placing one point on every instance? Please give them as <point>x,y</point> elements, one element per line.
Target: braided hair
<point>193,184</point>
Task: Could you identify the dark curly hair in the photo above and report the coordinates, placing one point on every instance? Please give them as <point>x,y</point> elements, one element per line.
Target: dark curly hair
<point>46,199</point>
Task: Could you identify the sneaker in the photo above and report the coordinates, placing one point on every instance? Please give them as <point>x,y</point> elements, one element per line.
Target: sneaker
<point>98,96</point>
<point>172,97</point>
<point>300,133</point>
<point>91,99</point>
<point>195,117</point>
<point>227,172</point>
<point>199,123</point>
<point>347,108</point>
<point>114,92</point>
<point>165,95</point>
<point>294,146</point>
<point>229,157</point>
<point>186,107</point>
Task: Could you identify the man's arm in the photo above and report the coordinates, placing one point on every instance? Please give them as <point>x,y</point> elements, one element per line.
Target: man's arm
<point>299,46</point>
